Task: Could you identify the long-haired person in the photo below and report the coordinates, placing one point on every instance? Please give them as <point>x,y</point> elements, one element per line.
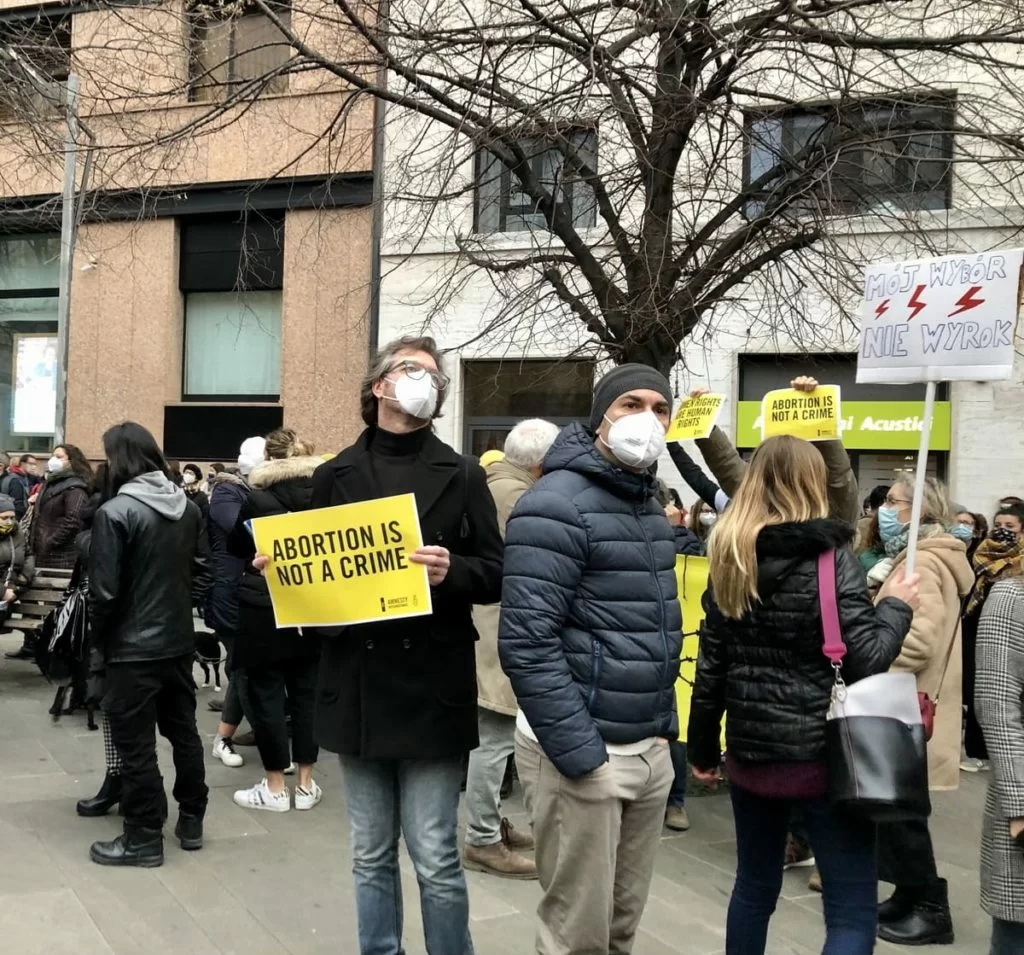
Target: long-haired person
<point>280,665</point>
<point>918,911</point>
<point>762,665</point>
<point>58,517</point>
<point>148,566</point>
<point>998,696</point>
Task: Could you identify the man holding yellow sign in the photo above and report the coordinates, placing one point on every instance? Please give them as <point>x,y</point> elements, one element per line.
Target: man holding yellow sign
<point>397,689</point>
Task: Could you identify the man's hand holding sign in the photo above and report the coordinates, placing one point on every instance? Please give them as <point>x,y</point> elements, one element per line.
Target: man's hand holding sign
<point>354,563</point>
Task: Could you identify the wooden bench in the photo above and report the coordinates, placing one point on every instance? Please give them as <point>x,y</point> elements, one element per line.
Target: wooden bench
<point>35,604</point>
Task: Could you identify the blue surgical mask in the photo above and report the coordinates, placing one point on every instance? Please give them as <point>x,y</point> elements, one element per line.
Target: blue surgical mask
<point>963,532</point>
<point>889,526</point>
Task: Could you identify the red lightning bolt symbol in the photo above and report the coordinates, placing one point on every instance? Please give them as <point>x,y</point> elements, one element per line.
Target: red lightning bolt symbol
<point>883,307</point>
<point>915,302</point>
<point>968,300</point>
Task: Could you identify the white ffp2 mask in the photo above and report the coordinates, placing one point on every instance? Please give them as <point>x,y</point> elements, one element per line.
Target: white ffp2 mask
<point>417,397</point>
<point>637,440</point>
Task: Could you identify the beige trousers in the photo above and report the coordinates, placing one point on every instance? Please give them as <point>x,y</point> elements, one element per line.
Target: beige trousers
<point>597,838</point>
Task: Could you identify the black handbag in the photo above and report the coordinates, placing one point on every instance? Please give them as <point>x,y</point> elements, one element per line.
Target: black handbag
<point>875,743</point>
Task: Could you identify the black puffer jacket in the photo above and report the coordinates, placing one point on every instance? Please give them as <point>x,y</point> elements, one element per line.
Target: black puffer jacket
<point>767,671</point>
<point>148,567</point>
<point>226,499</point>
<point>590,624</point>
<point>278,487</point>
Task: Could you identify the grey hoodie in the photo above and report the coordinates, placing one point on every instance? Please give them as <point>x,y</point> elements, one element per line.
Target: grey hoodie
<point>157,491</point>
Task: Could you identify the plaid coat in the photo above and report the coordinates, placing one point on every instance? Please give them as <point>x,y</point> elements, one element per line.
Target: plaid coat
<point>998,699</point>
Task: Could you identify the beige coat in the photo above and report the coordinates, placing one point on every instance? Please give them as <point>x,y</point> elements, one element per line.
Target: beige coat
<point>946,578</point>
<point>507,483</point>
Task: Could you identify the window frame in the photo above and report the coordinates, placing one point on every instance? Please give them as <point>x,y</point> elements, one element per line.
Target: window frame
<point>56,24</point>
<point>197,25</point>
<point>486,163</point>
<point>276,221</point>
<point>943,102</point>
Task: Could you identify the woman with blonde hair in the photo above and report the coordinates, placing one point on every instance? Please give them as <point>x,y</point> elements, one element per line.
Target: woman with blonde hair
<point>762,663</point>
<point>918,911</point>
<point>280,665</point>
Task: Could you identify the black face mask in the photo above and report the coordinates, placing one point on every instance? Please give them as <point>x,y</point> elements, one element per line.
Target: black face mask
<point>1003,535</point>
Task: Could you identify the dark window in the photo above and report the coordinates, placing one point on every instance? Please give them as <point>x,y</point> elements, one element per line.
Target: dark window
<point>228,50</point>
<point>32,53</point>
<point>854,157</point>
<point>214,432</point>
<point>502,205</point>
<point>497,395</point>
<point>231,273</point>
<point>760,374</point>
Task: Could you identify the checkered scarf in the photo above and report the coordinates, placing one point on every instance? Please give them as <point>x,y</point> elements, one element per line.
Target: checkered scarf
<point>991,561</point>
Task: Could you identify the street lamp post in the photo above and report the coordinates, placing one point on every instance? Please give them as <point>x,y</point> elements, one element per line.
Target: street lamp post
<point>63,97</point>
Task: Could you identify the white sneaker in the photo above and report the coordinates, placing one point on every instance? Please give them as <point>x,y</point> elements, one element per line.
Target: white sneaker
<point>224,750</point>
<point>290,771</point>
<point>308,798</point>
<point>260,797</point>
<point>971,765</point>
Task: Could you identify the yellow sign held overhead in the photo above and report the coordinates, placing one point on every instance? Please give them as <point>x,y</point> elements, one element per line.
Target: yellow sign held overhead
<point>338,566</point>
<point>811,415</point>
<point>695,418</point>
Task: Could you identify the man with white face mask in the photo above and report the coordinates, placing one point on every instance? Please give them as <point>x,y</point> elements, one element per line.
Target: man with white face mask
<point>590,639</point>
<point>397,699</point>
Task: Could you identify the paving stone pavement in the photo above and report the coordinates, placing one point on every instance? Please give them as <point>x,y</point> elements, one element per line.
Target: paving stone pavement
<point>268,883</point>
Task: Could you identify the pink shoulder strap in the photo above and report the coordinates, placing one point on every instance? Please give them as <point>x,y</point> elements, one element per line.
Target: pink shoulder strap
<point>833,645</point>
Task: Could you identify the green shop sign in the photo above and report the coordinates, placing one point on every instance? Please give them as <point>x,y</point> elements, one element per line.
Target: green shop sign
<point>867,425</point>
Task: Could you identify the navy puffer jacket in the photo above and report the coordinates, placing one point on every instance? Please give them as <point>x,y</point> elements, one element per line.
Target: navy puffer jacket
<point>590,624</point>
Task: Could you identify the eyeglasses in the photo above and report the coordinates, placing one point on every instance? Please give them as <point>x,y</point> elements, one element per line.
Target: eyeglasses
<point>415,371</point>
<point>893,501</point>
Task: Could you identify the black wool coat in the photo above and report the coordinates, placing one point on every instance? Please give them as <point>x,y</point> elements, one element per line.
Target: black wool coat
<point>406,689</point>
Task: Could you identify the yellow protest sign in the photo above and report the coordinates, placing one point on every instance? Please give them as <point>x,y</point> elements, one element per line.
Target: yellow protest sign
<point>695,418</point>
<point>344,565</point>
<point>811,415</point>
<point>692,580</point>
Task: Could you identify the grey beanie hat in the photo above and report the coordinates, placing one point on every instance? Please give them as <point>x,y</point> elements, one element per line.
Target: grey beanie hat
<point>6,503</point>
<point>625,378</point>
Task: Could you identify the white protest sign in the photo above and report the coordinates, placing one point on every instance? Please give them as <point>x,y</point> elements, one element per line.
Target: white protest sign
<point>947,319</point>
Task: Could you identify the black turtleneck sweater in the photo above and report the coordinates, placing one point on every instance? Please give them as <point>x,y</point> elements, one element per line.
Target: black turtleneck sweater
<point>392,462</point>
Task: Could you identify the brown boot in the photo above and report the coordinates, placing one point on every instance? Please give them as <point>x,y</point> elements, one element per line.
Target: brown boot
<point>498,860</point>
<point>513,838</point>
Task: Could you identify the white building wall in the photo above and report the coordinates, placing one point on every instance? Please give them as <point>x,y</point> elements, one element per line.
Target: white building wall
<point>987,454</point>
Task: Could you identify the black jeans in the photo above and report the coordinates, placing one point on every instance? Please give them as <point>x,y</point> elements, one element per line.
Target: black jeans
<point>974,740</point>
<point>275,691</point>
<point>236,699</point>
<point>141,698</point>
<point>906,857</point>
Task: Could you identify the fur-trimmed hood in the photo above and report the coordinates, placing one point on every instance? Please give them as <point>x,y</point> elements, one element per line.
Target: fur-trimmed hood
<point>224,478</point>
<point>277,470</point>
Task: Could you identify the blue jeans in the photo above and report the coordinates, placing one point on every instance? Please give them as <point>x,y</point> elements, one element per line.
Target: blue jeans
<point>418,799</point>
<point>844,849</point>
<point>677,794</point>
<point>1007,937</point>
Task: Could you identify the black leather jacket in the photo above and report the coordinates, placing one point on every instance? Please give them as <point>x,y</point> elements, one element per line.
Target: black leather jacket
<point>767,671</point>
<point>148,567</point>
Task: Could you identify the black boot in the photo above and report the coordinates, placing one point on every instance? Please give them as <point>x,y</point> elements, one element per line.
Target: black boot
<point>927,923</point>
<point>27,651</point>
<point>137,847</point>
<point>105,800</point>
<point>189,831</point>
<point>898,906</point>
